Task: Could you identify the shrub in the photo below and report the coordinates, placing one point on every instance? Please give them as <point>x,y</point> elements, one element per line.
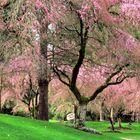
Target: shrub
<point>22,113</point>
<point>8,106</point>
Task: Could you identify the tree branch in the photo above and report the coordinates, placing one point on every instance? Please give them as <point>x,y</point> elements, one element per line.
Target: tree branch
<point>108,81</point>
<point>59,73</point>
<point>83,36</point>
<point>72,30</point>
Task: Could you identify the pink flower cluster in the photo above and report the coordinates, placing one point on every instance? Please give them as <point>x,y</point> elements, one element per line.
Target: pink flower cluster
<point>131,10</point>
<point>39,4</point>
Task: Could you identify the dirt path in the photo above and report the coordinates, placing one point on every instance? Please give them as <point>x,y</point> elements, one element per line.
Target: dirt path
<point>126,139</point>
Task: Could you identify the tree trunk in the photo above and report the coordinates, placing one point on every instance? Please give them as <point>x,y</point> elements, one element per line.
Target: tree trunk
<point>43,81</point>
<point>75,112</point>
<point>119,123</point>
<point>43,100</point>
<point>112,124</point>
<point>36,106</point>
<point>1,82</point>
<point>111,119</point>
<point>101,112</point>
<point>101,116</point>
<point>137,117</point>
<point>133,117</point>
<point>81,114</point>
<point>0,101</point>
<point>112,115</point>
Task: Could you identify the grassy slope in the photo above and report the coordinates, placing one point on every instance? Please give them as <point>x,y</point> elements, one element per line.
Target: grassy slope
<point>17,128</point>
<point>133,134</point>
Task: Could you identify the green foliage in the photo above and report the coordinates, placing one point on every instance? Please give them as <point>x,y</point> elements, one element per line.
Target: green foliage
<point>114,10</point>
<point>12,10</point>
<point>8,106</point>
<point>59,114</point>
<point>6,15</point>
<point>54,114</point>
<point>28,96</point>
<point>9,46</point>
<point>135,32</point>
<point>21,113</point>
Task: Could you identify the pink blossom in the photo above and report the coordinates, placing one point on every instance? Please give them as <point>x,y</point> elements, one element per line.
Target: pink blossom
<point>39,4</point>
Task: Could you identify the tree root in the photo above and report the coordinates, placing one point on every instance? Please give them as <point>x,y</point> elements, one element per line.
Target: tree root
<point>90,130</point>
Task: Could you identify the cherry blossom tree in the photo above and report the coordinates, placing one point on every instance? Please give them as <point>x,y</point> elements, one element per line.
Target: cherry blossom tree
<point>91,23</point>
<point>21,23</point>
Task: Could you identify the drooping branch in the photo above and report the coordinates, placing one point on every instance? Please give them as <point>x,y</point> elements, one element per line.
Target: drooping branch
<point>118,70</point>
<point>109,81</point>
<point>60,73</point>
<point>116,82</point>
<point>74,89</point>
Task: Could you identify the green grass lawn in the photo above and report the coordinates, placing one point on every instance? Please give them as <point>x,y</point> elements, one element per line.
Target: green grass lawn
<point>18,128</point>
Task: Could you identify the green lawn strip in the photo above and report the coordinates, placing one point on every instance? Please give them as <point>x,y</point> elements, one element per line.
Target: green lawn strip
<point>38,130</point>
<point>133,134</point>
<point>19,128</point>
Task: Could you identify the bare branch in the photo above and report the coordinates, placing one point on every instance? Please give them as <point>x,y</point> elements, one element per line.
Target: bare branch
<point>59,73</point>
<point>72,30</point>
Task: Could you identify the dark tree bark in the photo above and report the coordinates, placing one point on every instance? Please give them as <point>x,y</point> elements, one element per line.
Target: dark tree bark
<point>75,112</point>
<point>36,102</point>
<point>1,86</point>
<point>0,100</point>
<point>111,119</point>
<point>112,124</point>
<point>43,77</point>
<point>43,100</point>
<point>43,83</point>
